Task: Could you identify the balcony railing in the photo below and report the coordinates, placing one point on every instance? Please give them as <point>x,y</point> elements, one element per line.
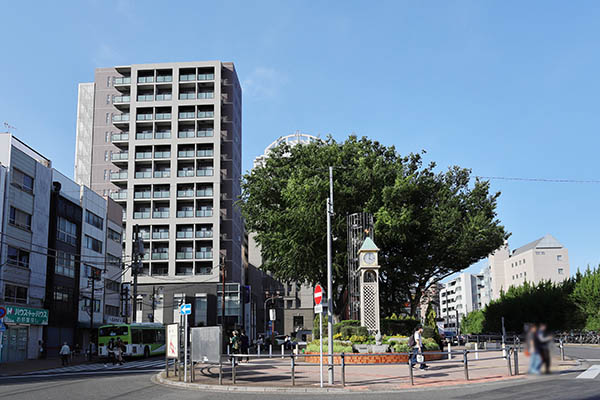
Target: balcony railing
<point>188,172</point>
<point>187,96</point>
<point>184,255</point>
<point>121,99</point>
<point>185,153</point>
<point>143,174</point>
<point>145,79</point>
<point>206,77</point>
<point>185,193</point>
<point>185,134</point>
<point>185,213</point>
<point>186,115</point>
<point>187,77</point>
<point>160,256</point>
<point>162,174</point>
<point>204,234</point>
<point>160,214</point>
<point>142,155</point>
<point>206,114</point>
<point>204,193</point>
<point>119,156</point>
<point>162,154</point>
<point>118,175</point>
<point>144,117</point>
<point>144,234</point>
<point>162,135</point>
<point>164,96</point>
<point>206,95</point>
<point>120,118</point>
<point>205,133</point>
<point>123,81</point>
<point>204,172</point>
<point>141,195</point>
<point>205,153</point>
<point>162,194</point>
<point>119,137</point>
<point>185,234</point>
<point>204,255</point>
<point>162,116</point>
<point>204,213</point>
<point>143,135</point>
<point>160,235</point>
<point>164,78</point>
<point>141,214</point>
<point>145,97</point>
<point>119,195</point>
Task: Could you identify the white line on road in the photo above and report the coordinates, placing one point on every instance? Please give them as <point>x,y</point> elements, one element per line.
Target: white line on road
<point>591,373</point>
<point>9,377</point>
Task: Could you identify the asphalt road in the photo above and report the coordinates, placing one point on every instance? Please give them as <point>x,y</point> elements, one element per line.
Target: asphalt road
<point>136,385</point>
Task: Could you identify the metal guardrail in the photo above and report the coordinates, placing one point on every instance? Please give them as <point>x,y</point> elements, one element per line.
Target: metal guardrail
<point>510,354</point>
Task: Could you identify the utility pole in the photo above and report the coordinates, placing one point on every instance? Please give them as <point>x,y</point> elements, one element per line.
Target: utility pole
<point>223,272</point>
<point>329,279</point>
<point>137,250</point>
<point>92,310</point>
<point>153,301</point>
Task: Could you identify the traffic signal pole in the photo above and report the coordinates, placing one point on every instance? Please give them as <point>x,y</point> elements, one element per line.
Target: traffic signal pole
<point>329,280</point>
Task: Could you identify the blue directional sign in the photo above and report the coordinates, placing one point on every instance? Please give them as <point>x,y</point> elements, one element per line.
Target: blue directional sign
<point>185,309</point>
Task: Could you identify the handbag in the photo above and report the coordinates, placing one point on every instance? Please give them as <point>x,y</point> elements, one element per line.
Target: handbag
<point>420,358</point>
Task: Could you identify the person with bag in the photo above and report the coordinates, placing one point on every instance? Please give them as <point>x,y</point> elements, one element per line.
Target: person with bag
<point>110,348</point>
<point>415,342</point>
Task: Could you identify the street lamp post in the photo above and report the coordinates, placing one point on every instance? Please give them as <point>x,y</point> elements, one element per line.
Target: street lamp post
<point>271,298</point>
<point>330,279</point>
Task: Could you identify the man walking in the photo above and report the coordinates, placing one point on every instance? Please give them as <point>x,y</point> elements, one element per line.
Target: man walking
<point>65,352</point>
<point>415,341</point>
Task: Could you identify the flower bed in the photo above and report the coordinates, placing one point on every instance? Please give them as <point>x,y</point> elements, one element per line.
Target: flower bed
<point>381,358</point>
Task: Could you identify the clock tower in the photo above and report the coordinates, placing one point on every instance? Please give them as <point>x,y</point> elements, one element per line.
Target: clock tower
<point>368,270</point>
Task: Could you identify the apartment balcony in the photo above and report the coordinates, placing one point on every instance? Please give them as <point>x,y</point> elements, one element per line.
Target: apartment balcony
<point>164,97</point>
<point>120,119</point>
<point>141,214</point>
<point>146,255</point>
<point>119,137</point>
<point>205,153</point>
<point>162,154</point>
<point>185,154</point>
<point>141,194</point>
<point>160,214</point>
<point>206,77</point>
<point>185,234</point>
<point>187,96</point>
<point>162,116</point>
<point>126,80</point>
<point>144,117</point>
<point>145,79</point>
<point>143,174</point>
<point>185,213</point>
<point>119,157</point>
<point>162,135</point>
<point>185,193</point>
<point>185,173</point>
<point>162,174</point>
<point>160,256</point>
<point>204,193</point>
<point>204,255</point>
<point>122,99</point>
<point>205,133</point>
<point>164,78</point>
<point>158,235</point>
<point>204,234</point>
<point>184,255</point>
<point>205,172</point>
<point>119,195</point>
<point>206,114</point>
<point>186,134</point>
<point>186,115</point>
<point>118,176</point>
<point>143,155</point>
<point>204,213</point>
<point>206,95</point>
<point>145,97</point>
<point>162,194</point>
<point>144,235</point>
<point>143,135</point>
<point>187,77</point>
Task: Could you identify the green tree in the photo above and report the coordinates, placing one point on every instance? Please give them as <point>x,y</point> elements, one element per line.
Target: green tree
<point>586,296</point>
<point>431,316</point>
<point>428,225</point>
<point>472,323</point>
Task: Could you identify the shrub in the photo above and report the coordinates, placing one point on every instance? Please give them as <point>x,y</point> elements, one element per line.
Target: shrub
<point>399,326</point>
<point>338,346</point>
<point>362,339</point>
<point>428,344</point>
<point>348,322</point>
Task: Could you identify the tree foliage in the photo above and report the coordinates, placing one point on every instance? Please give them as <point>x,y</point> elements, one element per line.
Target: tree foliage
<point>428,225</point>
<point>586,295</point>
<point>472,323</point>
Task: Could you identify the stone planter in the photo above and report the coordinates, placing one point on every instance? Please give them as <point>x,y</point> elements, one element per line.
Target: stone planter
<point>387,358</point>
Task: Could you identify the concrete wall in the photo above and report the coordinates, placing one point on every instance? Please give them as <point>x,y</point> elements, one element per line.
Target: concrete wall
<point>84,131</point>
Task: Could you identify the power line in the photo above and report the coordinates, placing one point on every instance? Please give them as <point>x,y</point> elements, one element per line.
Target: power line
<point>504,178</point>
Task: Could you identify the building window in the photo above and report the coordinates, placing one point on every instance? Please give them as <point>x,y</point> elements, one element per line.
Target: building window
<point>290,304</point>
<point>559,257</point>
<point>93,219</point>
<point>65,264</point>
<point>106,136</point>
<point>93,244</point>
<point>91,272</point>
<point>15,294</point>
<point>112,285</point>
<point>85,305</point>
<point>63,294</point>
<point>298,303</point>
<point>561,271</point>
<point>114,235</point>
<point>66,231</point>
<point>108,95</point>
<point>112,260</point>
<point>105,155</point>
<point>111,310</point>
<point>201,310</point>
<point>107,117</point>
<point>108,81</point>
<point>19,218</point>
<point>18,257</point>
<point>22,181</point>
<point>298,321</point>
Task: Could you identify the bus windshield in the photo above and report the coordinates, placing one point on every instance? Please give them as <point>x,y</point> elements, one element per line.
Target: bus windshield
<point>113,331</point>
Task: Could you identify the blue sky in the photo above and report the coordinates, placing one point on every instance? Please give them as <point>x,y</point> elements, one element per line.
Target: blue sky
<point>505,88</point>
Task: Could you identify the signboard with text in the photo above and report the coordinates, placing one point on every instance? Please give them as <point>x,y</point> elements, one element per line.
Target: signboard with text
<point>25,315</point>
<point>173,341</point>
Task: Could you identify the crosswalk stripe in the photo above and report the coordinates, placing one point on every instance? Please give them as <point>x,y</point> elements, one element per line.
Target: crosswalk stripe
<point>130,365</point>
<point>591,373</point>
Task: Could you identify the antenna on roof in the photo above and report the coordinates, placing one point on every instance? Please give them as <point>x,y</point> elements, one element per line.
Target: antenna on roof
<point>9,127</point>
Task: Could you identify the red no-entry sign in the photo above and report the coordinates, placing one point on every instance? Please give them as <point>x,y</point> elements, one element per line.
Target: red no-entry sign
<point>318,294</point>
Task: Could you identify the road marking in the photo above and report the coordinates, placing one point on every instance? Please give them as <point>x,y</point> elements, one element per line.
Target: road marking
<point>591,373</point>
<point>10,377</point>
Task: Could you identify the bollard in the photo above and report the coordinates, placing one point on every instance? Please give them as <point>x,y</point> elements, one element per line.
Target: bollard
<point>343,371</point>
<point>270,350</point>
<point>449,351</point>
<point>508,362</point>
<point>228,353</point>
<point>220,371</point>
<point>562,350</point>
<point>282,351</point>
<point>258,351</point>
<point>233,370</point>
<point>410,372</point>
<point>293,371</point>
<point>516,361</point>
<point>466,363</point>
<point>167,368</point>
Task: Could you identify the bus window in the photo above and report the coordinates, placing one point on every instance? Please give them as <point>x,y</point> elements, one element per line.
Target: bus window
<point>136,336</point>
<point>148,335</point>
<point>160,336</point>
<point>113,331</point>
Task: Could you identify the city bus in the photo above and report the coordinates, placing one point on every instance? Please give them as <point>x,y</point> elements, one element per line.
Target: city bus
<point>141,339</point>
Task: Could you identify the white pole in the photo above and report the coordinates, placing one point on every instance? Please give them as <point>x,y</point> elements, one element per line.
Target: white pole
<point>450,350</point>
<point>321,345</point>
<point>282,351</point>
<point>330,279</point>
<point>270,350</point>
<point>185,356</point>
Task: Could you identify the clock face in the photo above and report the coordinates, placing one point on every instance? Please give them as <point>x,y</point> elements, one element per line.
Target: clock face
<point>369,258</point>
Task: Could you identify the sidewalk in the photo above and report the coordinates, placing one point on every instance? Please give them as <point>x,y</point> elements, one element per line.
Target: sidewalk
<point>275,375</point>
<point>21,367</point>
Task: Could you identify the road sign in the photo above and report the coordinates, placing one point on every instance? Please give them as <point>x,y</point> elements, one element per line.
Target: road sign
<point>318,294</point>
<point>272,314</point>
<point>318,308</point>
<point>185,309</point>
<point>2,312</point>
<point>173,341</point>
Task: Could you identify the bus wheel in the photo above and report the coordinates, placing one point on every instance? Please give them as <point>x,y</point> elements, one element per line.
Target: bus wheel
<point>146,352</point>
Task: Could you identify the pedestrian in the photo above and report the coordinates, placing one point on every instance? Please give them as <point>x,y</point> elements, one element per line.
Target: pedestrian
<point>544,339</point>
<point>245,344</point>
<point>65,352</point>
<point>110,347</point>
<point>415,341</point>
<point>260,342</point>
<point>235,343</point>
<point>533,348</point>
<point>40,349</point>
<point>119,347</point>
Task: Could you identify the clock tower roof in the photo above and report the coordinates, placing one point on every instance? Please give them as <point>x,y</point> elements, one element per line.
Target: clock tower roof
<point>368,245</point>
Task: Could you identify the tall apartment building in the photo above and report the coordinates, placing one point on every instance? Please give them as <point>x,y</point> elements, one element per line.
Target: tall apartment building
<point>164,141</point>
<point>544,259</point>
<point>459,297</point>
